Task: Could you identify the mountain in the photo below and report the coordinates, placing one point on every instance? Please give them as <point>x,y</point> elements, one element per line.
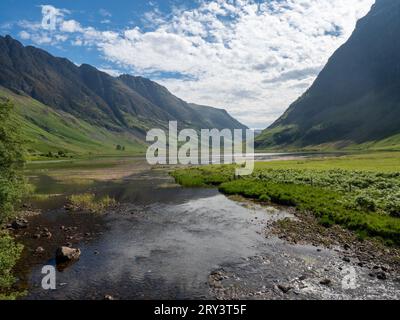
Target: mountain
<point>196,116</point>
<point>122,108</point>
<point>355,100</point>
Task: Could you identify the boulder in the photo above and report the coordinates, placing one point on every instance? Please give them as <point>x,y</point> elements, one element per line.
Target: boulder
<point>66,254</point>
<point>20,224</point>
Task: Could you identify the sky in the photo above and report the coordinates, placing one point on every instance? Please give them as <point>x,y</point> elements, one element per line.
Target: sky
<point>250,57</point>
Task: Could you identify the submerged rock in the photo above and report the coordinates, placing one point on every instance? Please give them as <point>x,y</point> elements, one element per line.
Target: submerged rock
<point>19,224</point>
<point>326,282</point>
<point>46,234</point>
<point>285,288</point>
<point>65,255</point>
<point>381,275</point>
<point>39,250</point>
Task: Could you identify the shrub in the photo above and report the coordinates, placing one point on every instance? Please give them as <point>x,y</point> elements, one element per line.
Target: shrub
<point>12,182</point>
<point>12,189</point>
<point>9,253</point>
<point>365,203</point>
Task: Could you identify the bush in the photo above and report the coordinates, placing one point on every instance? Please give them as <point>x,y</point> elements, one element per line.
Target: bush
<point>12,182</point>
<point>9,253</point>
<point>365,203</point>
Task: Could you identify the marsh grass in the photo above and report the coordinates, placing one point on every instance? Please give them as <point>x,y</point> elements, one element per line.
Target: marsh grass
<point>363,200</point>
<point>89,202</point>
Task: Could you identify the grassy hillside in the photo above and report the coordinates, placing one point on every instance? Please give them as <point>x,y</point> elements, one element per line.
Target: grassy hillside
<point>124,104</point>
<point>355,101</point>
<point>277,136</point>
<point>46,130</point>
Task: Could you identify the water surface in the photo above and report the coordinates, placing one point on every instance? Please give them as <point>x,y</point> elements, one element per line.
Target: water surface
<point>164,241</point>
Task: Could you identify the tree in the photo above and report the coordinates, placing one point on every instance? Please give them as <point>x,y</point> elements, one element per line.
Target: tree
<point>12,182</point>
<point>12,188</point>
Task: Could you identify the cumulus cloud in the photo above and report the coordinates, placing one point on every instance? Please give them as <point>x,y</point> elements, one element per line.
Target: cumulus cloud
<point>252,58</point>
<point>70,26</point>
<point>24,35</point>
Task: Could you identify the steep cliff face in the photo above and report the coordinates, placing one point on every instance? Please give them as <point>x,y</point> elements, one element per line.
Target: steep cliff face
<point>356,97</point>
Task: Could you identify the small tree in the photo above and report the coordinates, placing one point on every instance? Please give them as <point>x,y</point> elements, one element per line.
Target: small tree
<point>12,182</point>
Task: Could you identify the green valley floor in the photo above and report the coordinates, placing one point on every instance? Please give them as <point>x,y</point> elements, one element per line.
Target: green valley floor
<point>359,192</point>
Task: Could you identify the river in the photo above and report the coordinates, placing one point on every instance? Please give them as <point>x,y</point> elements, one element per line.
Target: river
<point>169,242</point>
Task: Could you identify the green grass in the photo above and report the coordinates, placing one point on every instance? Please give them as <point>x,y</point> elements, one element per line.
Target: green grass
<point>89,202</point>
<point>46,130</point>
<point>359,192</point>
<point>377,162</point>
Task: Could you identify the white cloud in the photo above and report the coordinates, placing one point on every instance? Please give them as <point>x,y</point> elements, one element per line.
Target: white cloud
<point>70,26</point>
<point>253,59</point>
<point>24,35</point>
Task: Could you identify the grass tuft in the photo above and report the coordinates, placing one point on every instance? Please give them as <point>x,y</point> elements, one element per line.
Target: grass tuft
<point>89,202</point>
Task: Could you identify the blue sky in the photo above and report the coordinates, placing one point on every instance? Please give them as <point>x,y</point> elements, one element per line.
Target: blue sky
<point>102,14</point>
<point>251,57</point>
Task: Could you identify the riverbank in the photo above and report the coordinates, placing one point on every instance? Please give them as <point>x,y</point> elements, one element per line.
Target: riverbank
<point>358,192</point>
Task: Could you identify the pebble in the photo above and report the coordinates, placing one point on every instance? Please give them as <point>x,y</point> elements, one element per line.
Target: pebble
<point>284,288</point>
<point>39,250</point>
<point>381,276</point>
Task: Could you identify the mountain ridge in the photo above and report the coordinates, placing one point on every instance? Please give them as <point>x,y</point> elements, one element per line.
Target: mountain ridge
<point>124,104</point>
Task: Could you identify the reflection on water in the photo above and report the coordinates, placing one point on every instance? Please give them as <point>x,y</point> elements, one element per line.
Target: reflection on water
<point>163,244</point>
